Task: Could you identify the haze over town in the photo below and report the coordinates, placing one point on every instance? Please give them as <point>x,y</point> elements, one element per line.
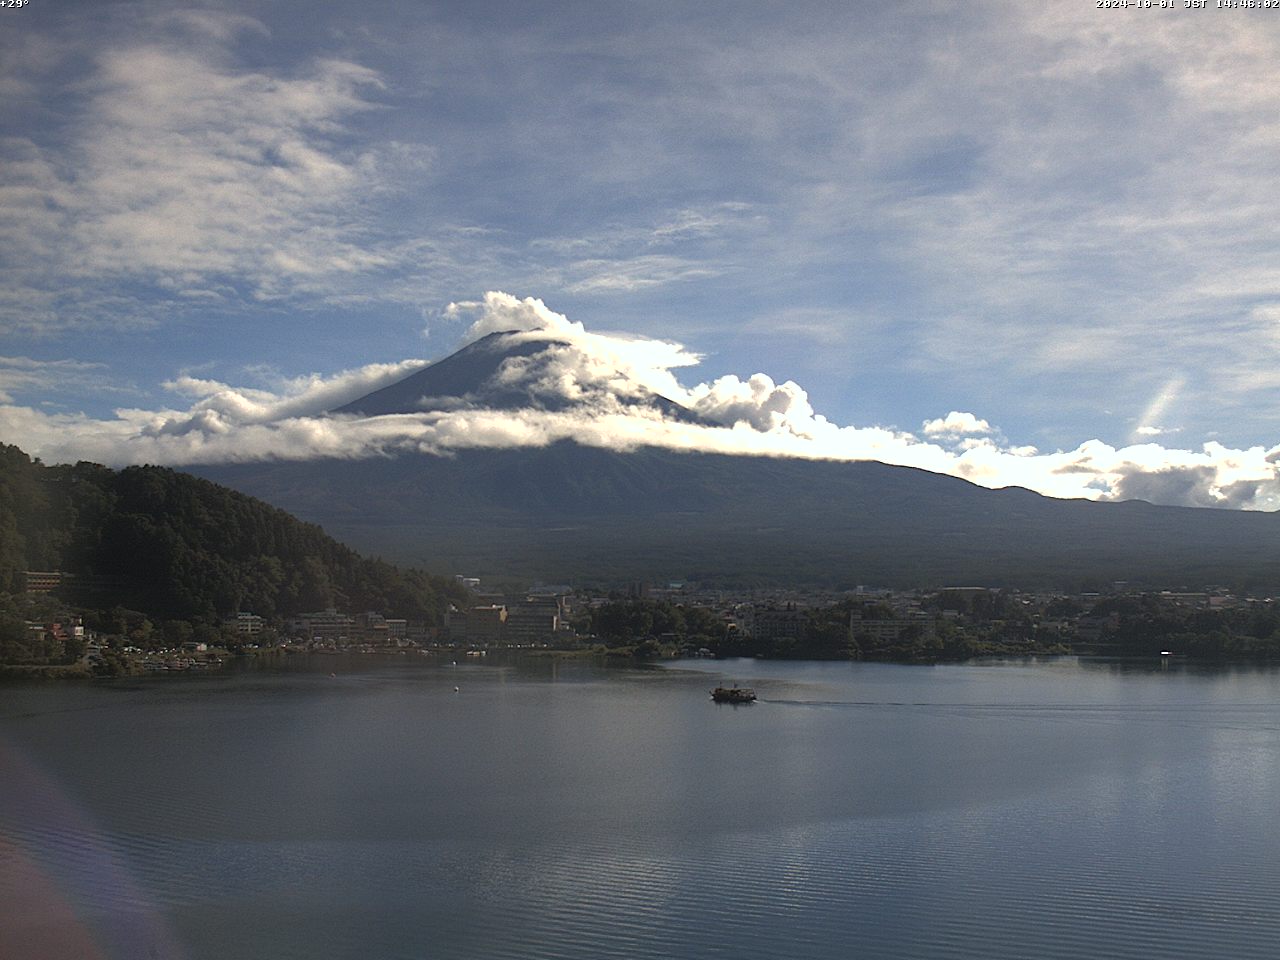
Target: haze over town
<point>1021,245</point>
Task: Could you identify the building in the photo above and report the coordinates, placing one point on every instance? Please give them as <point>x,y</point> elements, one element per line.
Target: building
<point>44,581</point>
<point>326,624</point>
<point>483,624</point>
<point>786,624</point>
<point>371,627</point>
<point>893,630</point>
<point>245,624</point>
<point>536,619</point>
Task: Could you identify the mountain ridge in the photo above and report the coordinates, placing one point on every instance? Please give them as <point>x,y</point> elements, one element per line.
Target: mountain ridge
<point>569,511</point>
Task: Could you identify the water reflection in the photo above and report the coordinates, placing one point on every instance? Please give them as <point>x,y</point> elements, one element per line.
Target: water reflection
<point>567,808</point>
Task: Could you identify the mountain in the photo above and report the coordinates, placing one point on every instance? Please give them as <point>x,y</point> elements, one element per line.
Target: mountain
<point>179,547</point>
<point>569,512</point>
<point>495,373</point>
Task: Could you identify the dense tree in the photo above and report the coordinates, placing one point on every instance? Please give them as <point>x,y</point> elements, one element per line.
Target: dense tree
<point>182,549</point>
<point>627,622</point>
<point>1147,624</point>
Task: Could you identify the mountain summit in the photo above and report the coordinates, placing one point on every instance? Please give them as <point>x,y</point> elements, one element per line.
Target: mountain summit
<point>509,370</point>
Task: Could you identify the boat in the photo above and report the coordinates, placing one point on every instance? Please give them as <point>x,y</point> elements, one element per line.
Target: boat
<point>733,695</point>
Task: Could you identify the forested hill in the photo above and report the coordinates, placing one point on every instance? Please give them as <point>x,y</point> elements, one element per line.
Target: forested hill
<point>179,547</point>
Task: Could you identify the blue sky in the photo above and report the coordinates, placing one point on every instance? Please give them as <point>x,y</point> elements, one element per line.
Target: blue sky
<point>1059,223</point>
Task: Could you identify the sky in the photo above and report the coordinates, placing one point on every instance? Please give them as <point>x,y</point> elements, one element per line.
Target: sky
<point>1025,244</point>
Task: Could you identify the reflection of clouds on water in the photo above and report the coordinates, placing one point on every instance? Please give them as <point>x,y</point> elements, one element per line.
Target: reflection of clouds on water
<point>1019,809</point>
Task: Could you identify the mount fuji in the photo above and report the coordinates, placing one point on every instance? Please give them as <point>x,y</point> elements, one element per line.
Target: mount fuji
<point>572,509</point>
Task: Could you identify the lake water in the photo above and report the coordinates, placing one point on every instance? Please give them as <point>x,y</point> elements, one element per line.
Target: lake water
<point>547,809</point>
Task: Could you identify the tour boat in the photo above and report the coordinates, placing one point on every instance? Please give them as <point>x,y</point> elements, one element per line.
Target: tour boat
<point>733,695</point>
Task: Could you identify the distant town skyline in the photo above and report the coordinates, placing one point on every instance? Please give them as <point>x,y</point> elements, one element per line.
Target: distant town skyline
<point>1027,245</point>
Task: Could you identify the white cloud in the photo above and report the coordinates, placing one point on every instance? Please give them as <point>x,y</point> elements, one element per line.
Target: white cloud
<point>500,312</point>
<point>308,396</point>
<point>1149,264</point>
<point>676,247</point>
<point>1194,486</point>
<point>982,171</point>
<point>758,403</point>
<point>600,375</point>
<point>632,274</point>
<point>595,357</point>
<point>955,423</point>
<point>195,178</point>
<point>21,374</point>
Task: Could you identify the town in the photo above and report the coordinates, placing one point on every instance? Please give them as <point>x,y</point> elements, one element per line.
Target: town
<point>674,619</point>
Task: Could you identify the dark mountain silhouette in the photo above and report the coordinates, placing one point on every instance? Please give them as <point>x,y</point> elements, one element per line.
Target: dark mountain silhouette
<point>571,512</point>
<point>568,512</point>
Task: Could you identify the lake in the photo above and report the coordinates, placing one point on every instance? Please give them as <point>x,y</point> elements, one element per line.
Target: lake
<point>567,809</point>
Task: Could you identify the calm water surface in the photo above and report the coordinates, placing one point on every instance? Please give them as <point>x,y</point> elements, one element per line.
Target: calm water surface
<point>1025,809</point>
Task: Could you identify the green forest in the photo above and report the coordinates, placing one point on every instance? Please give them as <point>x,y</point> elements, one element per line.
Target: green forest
<point>171,547</point>
<point>994,623</point>
<point>647,627</point>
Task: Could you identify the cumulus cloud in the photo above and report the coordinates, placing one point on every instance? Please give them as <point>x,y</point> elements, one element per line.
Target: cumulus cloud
<point>500,312</point>
<point>955,423</point>
<point>578,365</point>
<point>602,381</point>
<point>1186,486</point>
<point>758,403</point>
<point>593,358</point>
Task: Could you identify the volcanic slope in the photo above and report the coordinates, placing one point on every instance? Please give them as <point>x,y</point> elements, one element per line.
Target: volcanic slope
<point>569,512</point>
<point>495,373</point>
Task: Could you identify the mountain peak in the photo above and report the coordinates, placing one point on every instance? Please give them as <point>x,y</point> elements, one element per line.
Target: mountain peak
<point>517,370</point>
